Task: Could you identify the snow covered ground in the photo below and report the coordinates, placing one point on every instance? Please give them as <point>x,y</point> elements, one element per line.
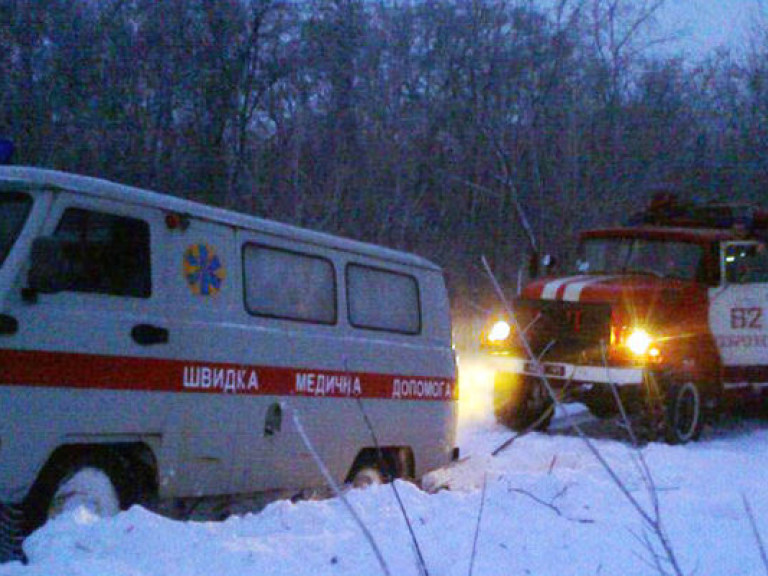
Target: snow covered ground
<point>549,509</point>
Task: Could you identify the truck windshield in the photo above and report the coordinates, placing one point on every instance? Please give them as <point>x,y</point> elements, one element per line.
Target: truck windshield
<point>660,258</point>
<point>14,209</point>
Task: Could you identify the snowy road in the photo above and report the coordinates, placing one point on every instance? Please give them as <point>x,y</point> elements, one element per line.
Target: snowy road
<point>549,509</point>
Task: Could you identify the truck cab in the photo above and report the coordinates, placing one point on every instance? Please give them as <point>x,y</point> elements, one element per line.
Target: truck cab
<point>667,313</point>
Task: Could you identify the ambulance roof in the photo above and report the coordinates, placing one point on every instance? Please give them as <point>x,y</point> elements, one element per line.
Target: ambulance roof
<point>136,196</point>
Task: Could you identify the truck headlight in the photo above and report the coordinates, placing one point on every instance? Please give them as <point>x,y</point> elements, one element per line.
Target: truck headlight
<point>499,332</point>
<point>639,342</point>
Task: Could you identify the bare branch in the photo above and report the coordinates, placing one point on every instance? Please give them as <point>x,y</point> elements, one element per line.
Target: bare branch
<point>652,522</point>
<point>422,565</point>
<point>756,532</point>
<point>477,527</point>
<point>337,491</point>
<point>551,504</point>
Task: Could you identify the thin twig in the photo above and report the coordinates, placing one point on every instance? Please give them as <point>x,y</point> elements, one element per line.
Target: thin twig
<point>645,470</point>
<point>414,541</point>
<point>756,532</point>
<point>552,465</point>
<point>530,428</point>
<point>550,504</point>
<point>536,499</point>
<point>336,490</point>
<point>536,423</point>
<point>656,564</point>
<point>640,460</point>
<point>477,527</point>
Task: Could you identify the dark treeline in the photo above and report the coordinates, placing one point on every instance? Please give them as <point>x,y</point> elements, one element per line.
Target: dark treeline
<point>409,123</point>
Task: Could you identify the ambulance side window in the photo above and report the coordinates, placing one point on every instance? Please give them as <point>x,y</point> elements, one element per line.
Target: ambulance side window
<point>383,300</point>
<point>289,285</point>
<point>746,263</point>
<point>106,253</point>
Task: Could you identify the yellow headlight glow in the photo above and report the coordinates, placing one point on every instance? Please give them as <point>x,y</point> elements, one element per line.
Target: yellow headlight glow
<point>500,331</point>
<point>639,341</point>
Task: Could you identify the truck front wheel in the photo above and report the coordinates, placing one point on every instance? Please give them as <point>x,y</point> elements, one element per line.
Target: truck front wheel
<point>684,412</point>
<point>521,403</point>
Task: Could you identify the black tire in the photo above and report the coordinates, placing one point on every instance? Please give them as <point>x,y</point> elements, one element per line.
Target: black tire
<point>684,412</point>
<point>524,406</point>
<point>368,476</point>
<point>378,467</point>
<point>601,403</point>
<point>39,505</point>
<point>11,535</point>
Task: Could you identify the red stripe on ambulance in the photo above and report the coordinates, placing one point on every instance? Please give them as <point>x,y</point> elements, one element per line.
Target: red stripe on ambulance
<point>88,371</point>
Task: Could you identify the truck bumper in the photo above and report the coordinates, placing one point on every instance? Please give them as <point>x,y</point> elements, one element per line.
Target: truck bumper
<point>573,376</point>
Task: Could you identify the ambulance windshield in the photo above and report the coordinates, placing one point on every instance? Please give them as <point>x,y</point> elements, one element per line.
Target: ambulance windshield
<point>662,258</point>
<point>14,209</point>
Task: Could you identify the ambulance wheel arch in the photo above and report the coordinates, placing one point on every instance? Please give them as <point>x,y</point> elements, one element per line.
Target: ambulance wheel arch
<point>93,474</point>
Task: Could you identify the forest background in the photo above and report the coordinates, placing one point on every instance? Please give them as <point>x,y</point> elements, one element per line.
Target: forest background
<point>416,124</point>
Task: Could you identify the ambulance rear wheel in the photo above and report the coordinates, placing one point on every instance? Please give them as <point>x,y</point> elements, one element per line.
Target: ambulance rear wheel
<point>379,466</point>
<point>684,412</point>
<point>368,476</point>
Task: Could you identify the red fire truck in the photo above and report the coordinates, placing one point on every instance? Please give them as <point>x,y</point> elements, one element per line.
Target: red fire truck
<point>669,313</point>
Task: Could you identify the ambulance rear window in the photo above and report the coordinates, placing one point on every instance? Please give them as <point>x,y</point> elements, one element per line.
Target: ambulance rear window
<point>383,300</point>
<point>14,209</point>
<point>289,285</point>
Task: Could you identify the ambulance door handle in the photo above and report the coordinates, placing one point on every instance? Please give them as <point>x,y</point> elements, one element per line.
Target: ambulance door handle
<point>8,325</point>
<point>147,335</point>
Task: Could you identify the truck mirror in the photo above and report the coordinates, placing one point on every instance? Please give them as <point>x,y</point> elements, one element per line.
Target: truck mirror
<point>49,267</point>
<point>548,262</point>
<point>540,264</point>
<point>533,266</point>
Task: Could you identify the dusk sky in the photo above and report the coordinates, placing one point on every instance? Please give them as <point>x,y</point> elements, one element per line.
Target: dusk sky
<point>708,24</point>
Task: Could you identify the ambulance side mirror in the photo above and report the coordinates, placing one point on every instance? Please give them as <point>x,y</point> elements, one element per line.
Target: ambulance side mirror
<point>49,267</point>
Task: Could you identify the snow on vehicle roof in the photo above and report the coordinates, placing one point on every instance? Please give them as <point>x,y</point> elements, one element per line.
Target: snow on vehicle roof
<point>138,196</point>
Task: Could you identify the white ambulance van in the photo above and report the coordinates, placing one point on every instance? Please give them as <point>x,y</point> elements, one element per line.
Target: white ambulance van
<point>161,348</point>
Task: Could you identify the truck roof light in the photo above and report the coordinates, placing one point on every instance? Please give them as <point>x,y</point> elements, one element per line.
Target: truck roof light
<point>666,210</point>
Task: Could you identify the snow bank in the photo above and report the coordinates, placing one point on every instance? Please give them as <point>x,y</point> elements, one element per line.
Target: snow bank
<point>549,509</point>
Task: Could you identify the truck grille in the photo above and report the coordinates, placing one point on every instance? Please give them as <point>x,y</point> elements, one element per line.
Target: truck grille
<point>565,331</point>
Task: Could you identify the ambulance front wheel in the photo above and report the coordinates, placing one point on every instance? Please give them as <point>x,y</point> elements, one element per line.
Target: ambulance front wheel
<point>101,481</point>
<point>90,488</point>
